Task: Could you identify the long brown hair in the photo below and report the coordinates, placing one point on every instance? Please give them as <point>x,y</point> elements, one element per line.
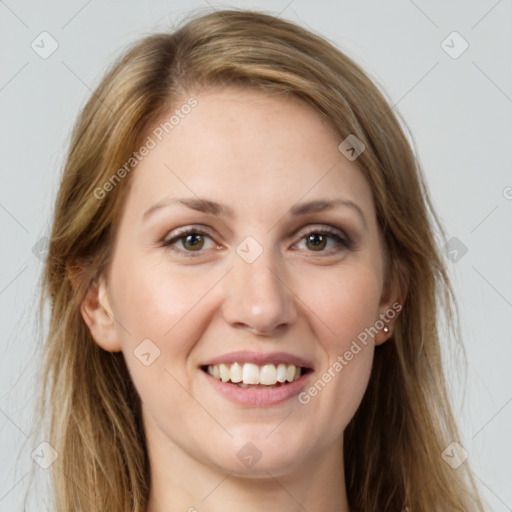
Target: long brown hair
<point>393,445</point>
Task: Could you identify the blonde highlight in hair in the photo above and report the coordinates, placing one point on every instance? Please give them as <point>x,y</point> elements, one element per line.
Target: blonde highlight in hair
<point>393,444</point>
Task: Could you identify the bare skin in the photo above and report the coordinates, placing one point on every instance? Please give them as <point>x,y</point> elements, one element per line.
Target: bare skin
<point>307,295</point>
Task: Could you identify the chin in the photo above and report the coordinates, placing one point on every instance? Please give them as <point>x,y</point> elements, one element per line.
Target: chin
<point>258,455</point>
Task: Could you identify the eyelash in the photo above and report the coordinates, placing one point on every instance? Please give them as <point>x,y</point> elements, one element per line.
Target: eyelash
<point>168,244</point>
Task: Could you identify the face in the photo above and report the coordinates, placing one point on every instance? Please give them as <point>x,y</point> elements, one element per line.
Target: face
<point>227,253</point>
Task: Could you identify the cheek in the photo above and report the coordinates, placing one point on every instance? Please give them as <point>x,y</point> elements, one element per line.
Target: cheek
<point>166,311</point>
<point>154,302</point>
<point>343,309</point>
<point>343,301</point>
<point>163,315</point>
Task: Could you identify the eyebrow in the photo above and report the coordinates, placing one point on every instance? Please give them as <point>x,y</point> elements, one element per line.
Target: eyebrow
<point>195,203</point>
<point>208,206</point>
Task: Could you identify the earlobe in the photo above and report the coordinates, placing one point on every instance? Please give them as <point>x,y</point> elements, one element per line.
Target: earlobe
<point>387,320</point>
<point>98,316</point>
<point>386,331</point>
<point>392,301</point>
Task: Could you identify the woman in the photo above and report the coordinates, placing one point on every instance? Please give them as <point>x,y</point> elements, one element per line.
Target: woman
<point>244,287</point>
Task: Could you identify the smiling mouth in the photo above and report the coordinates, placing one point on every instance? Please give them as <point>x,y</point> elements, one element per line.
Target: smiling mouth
<point>250,375</point>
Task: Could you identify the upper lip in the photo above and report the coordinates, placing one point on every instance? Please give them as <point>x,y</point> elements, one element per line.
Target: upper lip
<point>260,359</point>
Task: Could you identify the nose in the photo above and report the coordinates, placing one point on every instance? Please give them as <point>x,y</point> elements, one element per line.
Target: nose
<point>258,297</point>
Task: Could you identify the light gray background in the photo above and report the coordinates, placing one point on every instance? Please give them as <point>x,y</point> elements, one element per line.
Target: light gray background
<point>459,112</point>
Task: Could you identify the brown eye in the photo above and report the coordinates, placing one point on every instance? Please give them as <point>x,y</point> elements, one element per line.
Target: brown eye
<point>316,241</point>
<point>325,241</point>
<point>193,242</point>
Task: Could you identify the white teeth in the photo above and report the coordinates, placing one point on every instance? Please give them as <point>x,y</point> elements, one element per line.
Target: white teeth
<point>236,373</point>
<point>290,373</point>
<point>251,374</point>
<point>224,372</point>
<point>268,375</point>
<point>281,372</point>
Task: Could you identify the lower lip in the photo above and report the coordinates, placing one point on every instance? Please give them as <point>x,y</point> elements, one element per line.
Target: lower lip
<point>254,397</point>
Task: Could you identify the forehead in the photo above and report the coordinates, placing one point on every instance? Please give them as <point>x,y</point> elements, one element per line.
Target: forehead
<point>245,148</point>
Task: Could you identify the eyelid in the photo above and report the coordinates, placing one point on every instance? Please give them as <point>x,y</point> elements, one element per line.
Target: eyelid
<point>196,228</point>
<point>322,228</point>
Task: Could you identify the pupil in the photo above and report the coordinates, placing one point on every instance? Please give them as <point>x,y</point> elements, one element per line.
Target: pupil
<point>320,244</point>
<point>195,239</point>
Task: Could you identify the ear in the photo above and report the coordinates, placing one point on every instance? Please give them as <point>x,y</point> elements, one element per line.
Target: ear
<point>97,314</point>
<point>394,294</point>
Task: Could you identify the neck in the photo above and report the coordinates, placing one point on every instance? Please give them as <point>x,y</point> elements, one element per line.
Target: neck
<point>190,485</point>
